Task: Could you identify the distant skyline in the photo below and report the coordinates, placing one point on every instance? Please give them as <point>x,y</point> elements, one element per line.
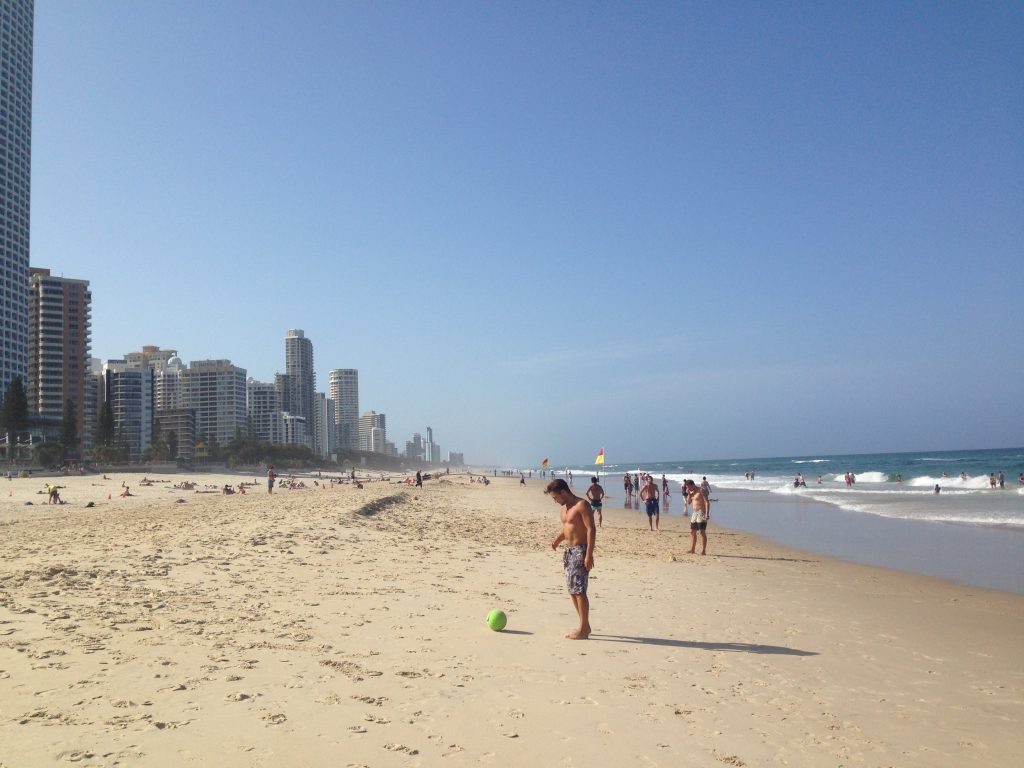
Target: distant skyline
<point>674,231</point>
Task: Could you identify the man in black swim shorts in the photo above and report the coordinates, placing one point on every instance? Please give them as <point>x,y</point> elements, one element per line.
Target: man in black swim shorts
<point>699,519</point>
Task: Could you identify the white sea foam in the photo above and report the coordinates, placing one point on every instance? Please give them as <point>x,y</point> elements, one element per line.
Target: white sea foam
<point>810,461</point>
<point>978,483</point>
<point>865,477</point>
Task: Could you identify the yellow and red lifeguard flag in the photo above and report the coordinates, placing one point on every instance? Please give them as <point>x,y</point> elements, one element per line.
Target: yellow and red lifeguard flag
<point>544,463</point>
<point>600,457</point>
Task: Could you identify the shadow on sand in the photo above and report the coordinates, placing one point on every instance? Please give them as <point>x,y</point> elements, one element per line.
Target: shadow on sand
<point>780,559</point>
<point>514,632</point>
<point>778,650</point>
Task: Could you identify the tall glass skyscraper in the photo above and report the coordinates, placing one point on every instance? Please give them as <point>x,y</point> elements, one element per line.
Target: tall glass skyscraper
<point>16,18</point>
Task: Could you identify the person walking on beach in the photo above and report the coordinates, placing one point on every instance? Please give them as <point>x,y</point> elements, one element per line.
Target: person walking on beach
<point>419,479</point>
<point>595,494</point>
<point>579,535</point>
<point>271,477</point>
<point>649,496</point>
<point>636,484</point>
<point>699,519</point>
<point>627,486</point>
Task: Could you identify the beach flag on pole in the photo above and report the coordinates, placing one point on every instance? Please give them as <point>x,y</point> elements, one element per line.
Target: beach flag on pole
<point>600,457</point>
<point>545,463</point>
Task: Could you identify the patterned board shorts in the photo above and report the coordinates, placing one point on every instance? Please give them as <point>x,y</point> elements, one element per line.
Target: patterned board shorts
<point>576,575</point>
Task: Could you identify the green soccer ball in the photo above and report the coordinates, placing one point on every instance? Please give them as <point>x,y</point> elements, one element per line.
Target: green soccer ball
<point>496,620</point>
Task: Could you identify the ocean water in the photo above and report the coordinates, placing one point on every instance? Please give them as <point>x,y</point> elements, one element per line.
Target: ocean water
<point>877,491</point>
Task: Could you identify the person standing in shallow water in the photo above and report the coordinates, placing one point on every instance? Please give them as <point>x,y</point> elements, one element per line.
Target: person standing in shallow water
<point>580,536</point>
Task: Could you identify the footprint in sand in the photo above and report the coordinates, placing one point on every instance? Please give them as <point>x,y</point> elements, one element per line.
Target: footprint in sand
<point>377,701</point>
<point>401,748</point>
<point>728,759</point>
<point>76,756</point>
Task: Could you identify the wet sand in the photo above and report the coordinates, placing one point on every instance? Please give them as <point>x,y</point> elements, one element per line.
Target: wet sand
<point>970,554</point>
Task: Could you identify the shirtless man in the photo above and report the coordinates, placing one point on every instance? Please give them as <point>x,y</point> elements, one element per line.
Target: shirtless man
<point>579,534</point>
<point>595,494</point>
<point>699,519</point>
<point>649,496</point>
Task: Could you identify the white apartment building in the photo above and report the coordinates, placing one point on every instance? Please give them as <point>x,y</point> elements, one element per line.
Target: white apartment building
<point>343,389</point>
<point>263,411</point>
<point>368,422</point>
<point>294,428</point>
<point>377,442</point>
<point>215,391</point>
<point>169,375</point>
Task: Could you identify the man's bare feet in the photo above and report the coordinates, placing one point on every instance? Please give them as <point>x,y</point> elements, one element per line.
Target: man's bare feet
<point>579,634</point>
<point>691,552</point>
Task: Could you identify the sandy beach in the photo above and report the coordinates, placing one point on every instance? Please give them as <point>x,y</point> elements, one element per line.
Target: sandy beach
<point>345,627</point>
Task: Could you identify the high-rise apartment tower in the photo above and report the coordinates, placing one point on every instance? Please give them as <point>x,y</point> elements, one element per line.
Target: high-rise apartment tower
<point>372,432</point>
<point>298,363</point>
<point>58,347</point>
<point>343,389</point>
<point>16,22</point>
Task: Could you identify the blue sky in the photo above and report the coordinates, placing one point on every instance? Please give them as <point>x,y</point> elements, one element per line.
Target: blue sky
<point>675,230</point>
